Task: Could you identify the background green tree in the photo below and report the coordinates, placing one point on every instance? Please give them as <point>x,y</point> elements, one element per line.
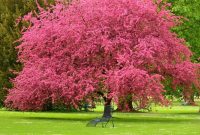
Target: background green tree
<point>10,10</point>
<point>190,29</point>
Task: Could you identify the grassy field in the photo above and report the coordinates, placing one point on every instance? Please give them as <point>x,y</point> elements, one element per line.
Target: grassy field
<point>176,120</point>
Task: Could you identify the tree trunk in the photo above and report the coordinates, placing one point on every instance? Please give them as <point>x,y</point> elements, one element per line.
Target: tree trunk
<point>125,105</point>
<point>107,111</point>
<point>188,96</point>
<point>107,105</point>
<point>48,106</point>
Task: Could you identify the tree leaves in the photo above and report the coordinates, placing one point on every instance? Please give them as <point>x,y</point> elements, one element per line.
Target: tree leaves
<point>127,46</point>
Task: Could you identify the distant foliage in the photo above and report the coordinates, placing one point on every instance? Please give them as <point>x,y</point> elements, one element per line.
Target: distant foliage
<point>10,11</point>
<point>124,45</point>
<point>189,30</point>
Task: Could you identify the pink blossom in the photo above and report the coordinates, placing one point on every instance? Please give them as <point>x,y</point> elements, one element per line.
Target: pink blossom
<point>125,44</point>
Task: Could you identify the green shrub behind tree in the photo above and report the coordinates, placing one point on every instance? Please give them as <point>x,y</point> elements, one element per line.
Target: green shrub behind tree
<point>190,29</point>
<point>10,10</point>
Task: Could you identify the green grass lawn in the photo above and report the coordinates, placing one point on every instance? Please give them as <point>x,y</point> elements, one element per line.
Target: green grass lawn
<point>177,120</point>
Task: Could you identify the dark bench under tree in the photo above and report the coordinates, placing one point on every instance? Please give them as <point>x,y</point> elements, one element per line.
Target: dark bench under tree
<point>107,115</point>
<point>104,120</point>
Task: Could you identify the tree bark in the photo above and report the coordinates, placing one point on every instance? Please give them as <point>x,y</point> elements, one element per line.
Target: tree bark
<point>107,105</point>
<point>125,105</point>
<point>188,96</point>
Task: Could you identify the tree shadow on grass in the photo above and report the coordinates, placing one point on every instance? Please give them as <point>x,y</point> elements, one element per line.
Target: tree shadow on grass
<point>156,119</point>
<point>119,119</point>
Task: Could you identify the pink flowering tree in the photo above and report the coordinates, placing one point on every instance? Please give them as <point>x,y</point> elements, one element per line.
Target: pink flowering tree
<point>121,50</point>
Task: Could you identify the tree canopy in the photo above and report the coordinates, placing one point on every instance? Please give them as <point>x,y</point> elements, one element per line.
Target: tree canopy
<point>91,48</point>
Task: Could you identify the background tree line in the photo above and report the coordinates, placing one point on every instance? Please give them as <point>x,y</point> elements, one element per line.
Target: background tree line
<point>189,30</point>
<point>10,11</point>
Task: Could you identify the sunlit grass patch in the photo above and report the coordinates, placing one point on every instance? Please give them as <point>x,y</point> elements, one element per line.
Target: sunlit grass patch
<point>174,120</point>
